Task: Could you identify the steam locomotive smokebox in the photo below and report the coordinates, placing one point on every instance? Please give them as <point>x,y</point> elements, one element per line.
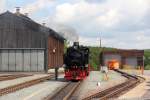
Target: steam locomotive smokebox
<point>76,56</point>
<point>76,60</point>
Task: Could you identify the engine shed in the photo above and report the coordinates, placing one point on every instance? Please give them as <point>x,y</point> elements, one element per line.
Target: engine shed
<point>130,58</point>
<point>26,46</point>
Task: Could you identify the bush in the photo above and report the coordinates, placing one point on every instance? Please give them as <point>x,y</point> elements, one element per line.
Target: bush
<point>147,67</point>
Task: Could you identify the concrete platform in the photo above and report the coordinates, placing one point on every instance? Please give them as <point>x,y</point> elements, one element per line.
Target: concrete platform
<point>142,91</point>
<point>90,86</point>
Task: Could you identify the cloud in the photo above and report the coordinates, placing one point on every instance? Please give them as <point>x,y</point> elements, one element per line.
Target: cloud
<point>67,31</point>
<point>137,40</point>
<point>2,5</point>
<point>121,21</point>
<point>95,1</point>
<point>108,15</point>
<point>37,5</point>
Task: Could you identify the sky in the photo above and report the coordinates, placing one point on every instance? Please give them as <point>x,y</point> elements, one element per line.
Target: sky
<point>120,23</point>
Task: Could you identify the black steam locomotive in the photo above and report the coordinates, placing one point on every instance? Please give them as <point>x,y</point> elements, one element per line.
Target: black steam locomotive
<point>76,61</point>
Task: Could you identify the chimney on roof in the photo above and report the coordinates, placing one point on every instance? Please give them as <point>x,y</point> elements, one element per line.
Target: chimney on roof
<point>18,10</point>
<point>43,24</point>
<point>26,14</point>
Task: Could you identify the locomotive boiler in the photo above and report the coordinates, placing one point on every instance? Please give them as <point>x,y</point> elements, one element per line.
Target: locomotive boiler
<point>76,62</point>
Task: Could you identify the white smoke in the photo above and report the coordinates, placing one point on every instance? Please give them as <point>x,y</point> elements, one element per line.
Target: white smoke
<point>69,33</point>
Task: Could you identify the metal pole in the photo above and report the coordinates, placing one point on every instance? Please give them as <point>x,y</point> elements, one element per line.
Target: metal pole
<point>100,40</point>
<point>100,50</point>
<point>56,73</point>
<point>143,65</point>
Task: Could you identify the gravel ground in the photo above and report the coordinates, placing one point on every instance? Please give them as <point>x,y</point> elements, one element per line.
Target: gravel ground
<point>36,92</point>
<point>7,83</point>
<point>90,86</point>
<point>133,71</point>
<point>4,74</point>
<point>147,93</point>
<point>140,92</point>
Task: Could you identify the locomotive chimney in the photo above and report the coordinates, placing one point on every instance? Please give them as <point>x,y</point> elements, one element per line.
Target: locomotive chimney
<point>76,43</point>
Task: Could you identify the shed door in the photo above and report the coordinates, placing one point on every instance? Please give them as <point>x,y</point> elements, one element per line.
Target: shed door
<point>131,61</point>
<point>22,60</point>
<point>110,57</point>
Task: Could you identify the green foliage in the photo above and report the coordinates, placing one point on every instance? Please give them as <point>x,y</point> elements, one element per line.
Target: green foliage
<point>147,67</point>
<point>94,57</point>
<point>66,43</point>
<point>147,59</point>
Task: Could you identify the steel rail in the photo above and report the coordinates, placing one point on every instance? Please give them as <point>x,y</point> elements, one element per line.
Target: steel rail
<point>11,77</point>
<point>117,90</point>
<point>26,84</point>
<point>65,92</point>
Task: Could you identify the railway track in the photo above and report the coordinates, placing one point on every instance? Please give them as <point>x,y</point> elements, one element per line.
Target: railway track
<point>117,90</point>
<point>64,93</point>
<point>11,77</point>
<point>26,84</point>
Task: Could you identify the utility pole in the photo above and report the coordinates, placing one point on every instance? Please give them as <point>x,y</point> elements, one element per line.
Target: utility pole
<point>143,66</point>
<point>100,40</point>
<point>100,56</point>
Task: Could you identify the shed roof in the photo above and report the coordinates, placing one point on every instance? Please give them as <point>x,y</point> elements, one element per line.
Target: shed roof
<point>126,53</point>
<point>19,31</point>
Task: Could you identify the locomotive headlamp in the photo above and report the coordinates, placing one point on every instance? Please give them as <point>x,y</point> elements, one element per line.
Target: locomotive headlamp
<point>86,65</point>
<point>64,65</point>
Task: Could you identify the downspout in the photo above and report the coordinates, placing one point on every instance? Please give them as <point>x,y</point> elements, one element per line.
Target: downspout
<point>46,55</point>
